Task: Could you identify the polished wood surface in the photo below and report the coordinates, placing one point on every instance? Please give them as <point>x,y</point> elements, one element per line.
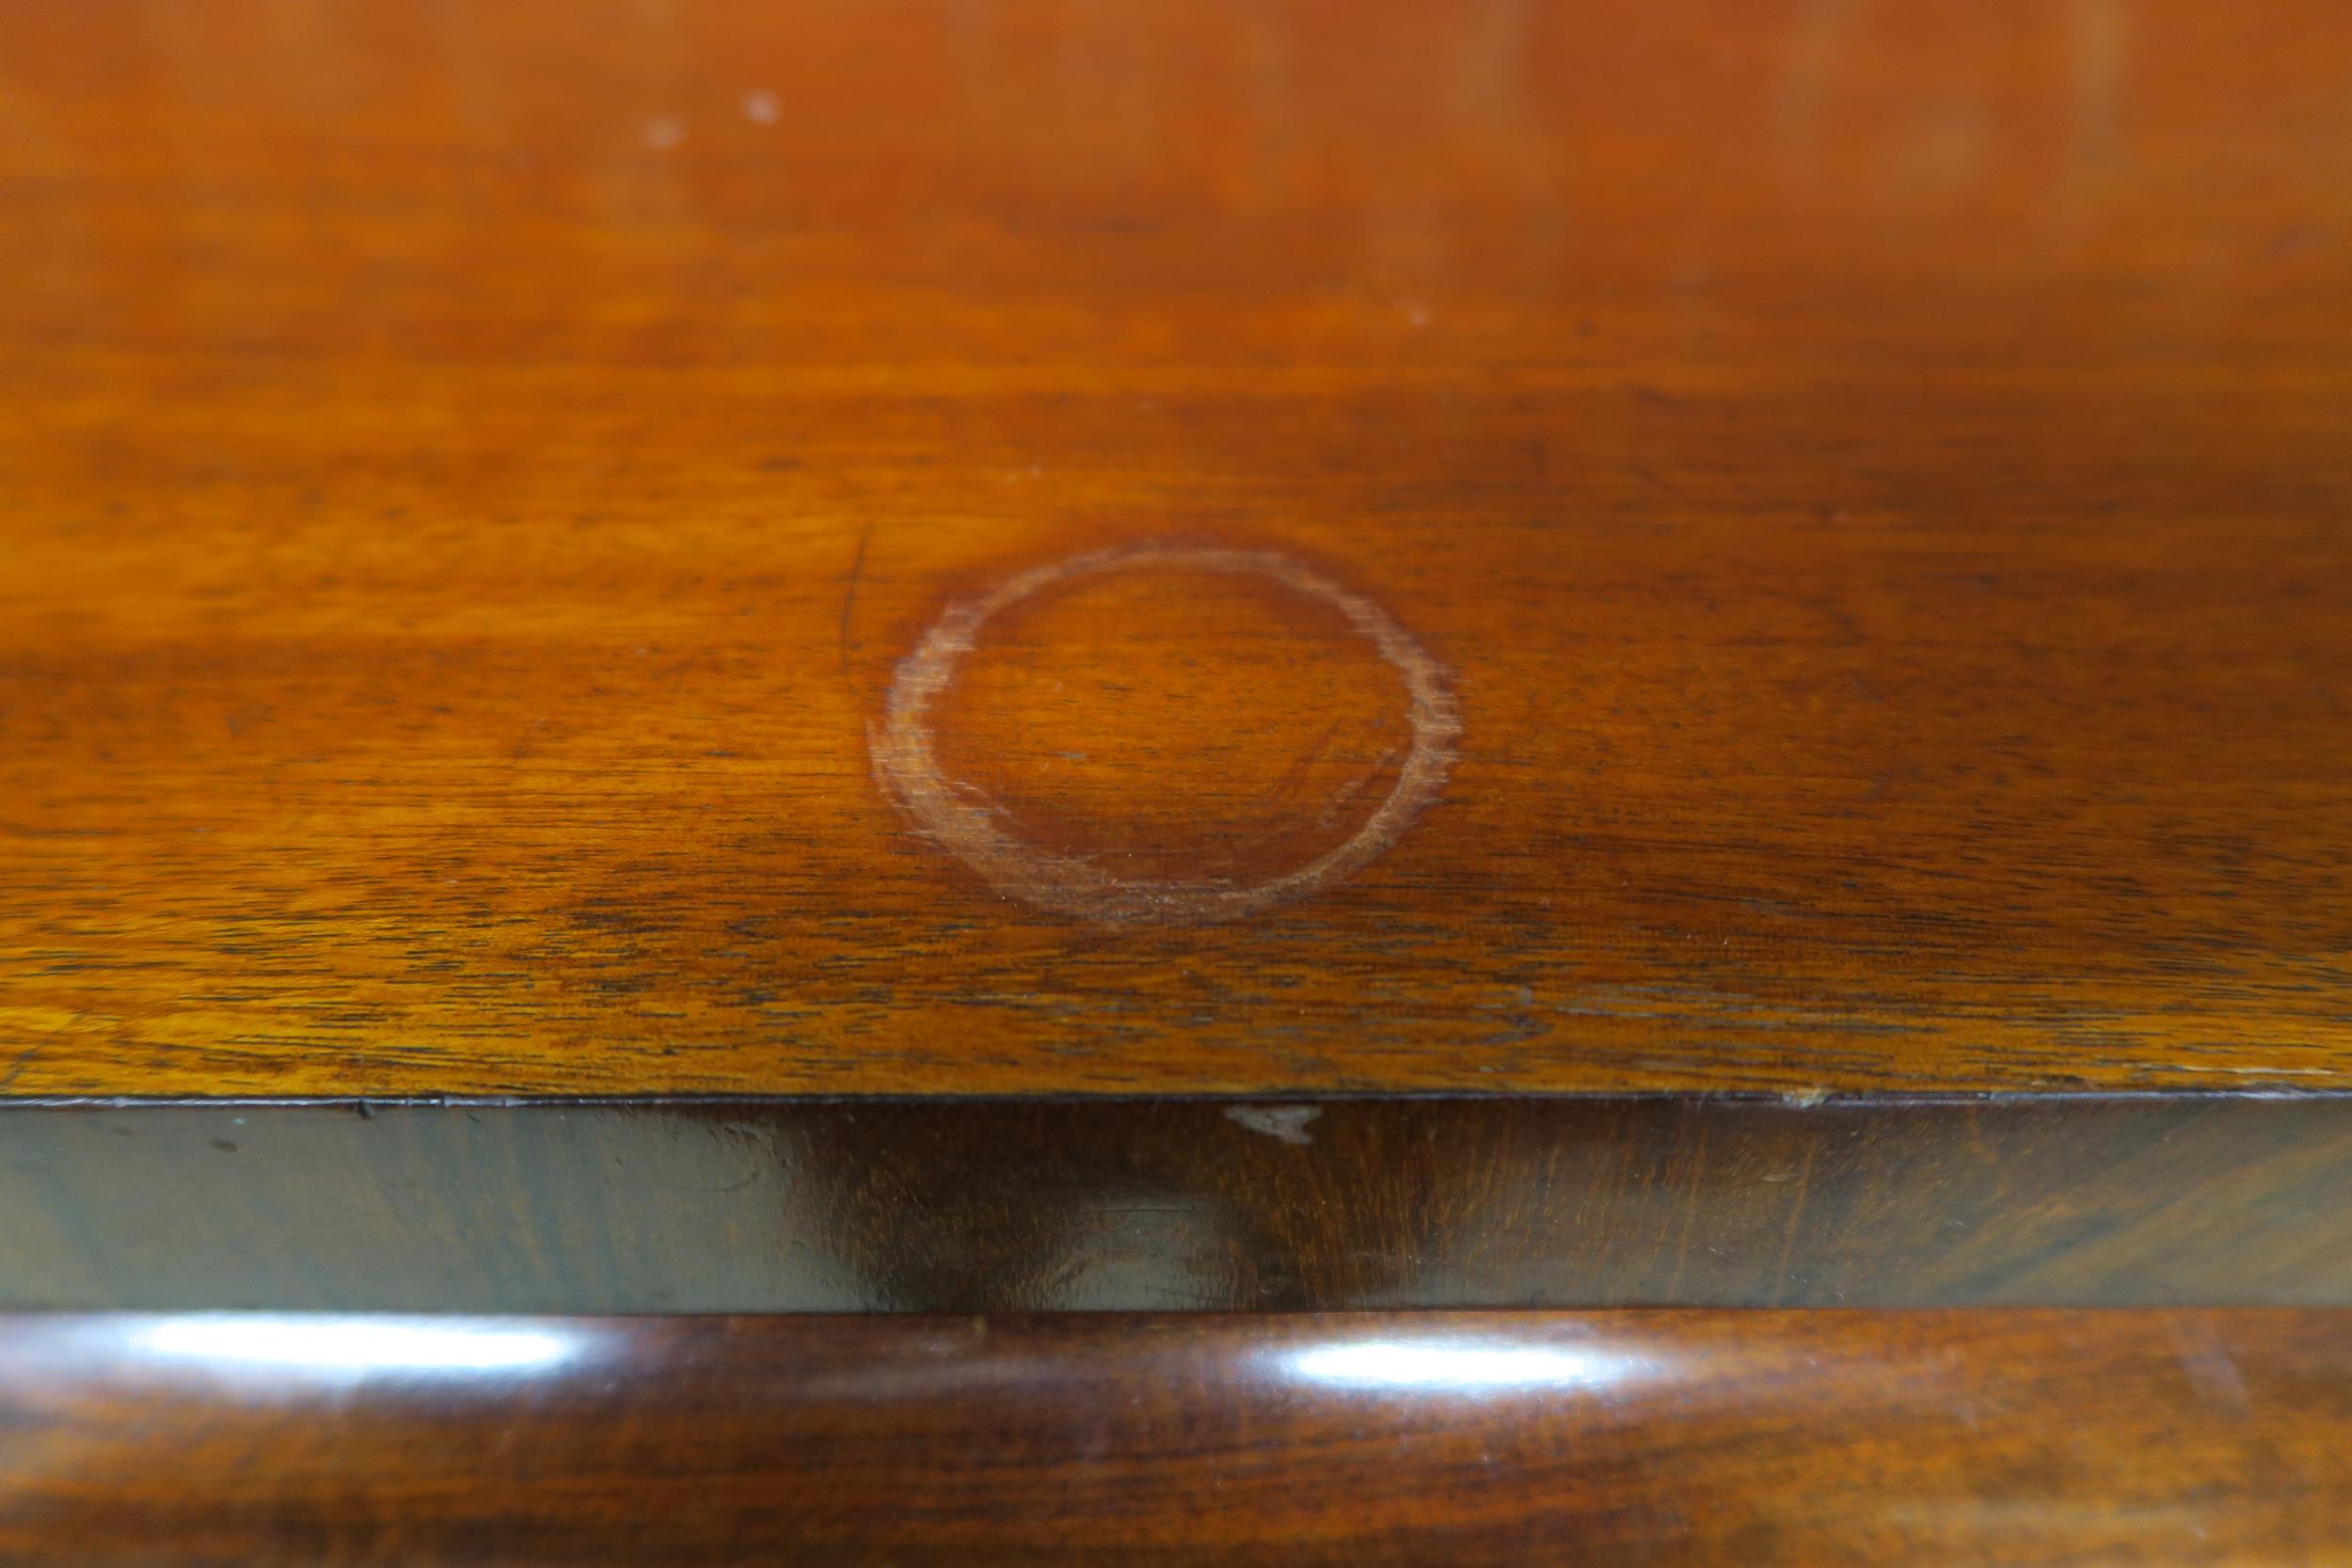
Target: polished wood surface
<point>932,1206</point>
<point>1746,1440</point>
<point>1745,544</point>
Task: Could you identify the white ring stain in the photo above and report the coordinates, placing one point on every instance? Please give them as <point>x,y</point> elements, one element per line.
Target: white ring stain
<point>907,763</point>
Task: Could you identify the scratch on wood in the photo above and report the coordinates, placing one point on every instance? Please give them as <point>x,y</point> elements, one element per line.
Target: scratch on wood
<point>1796,1214</point>
<point>849,598</point>
<point>1689,1211</point>
<point>24,1060</point>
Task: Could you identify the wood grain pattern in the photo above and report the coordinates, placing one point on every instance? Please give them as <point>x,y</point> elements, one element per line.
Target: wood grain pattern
<point>933,1205</point>
<point>1873,476</point>
<point>1746,1440</point>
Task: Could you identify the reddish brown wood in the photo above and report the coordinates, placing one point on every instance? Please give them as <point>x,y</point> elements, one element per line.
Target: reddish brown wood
<point>1873,478</point>
<point>1740,1439</point>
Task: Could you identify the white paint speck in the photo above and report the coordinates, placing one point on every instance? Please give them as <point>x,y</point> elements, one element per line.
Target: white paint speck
<point>2211,1369</point>
<point>762,107</point>
<point>1286,1122</point>
<point>663,133</point>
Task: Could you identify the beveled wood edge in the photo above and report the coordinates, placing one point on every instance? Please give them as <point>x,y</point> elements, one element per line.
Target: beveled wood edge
<point>1331,1203</point>
<point>1756,1438</point>
<point>1894,1098</point>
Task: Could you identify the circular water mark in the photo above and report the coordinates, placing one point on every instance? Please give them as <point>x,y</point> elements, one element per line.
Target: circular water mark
<point>906,757</point>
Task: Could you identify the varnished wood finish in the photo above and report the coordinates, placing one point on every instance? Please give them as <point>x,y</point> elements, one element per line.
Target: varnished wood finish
<point>1872,479</point>
<point>2211,1200</point>
<point>1457,1440</point>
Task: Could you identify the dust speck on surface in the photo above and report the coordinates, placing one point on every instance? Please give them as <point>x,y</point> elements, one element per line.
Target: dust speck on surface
<point>1285,1122</point>
<point>762,107</point>
<point>663,133</point>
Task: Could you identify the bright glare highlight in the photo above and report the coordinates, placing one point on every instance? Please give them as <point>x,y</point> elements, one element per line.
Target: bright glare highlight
<point>1438,1365</point>
<point>355,1345</point>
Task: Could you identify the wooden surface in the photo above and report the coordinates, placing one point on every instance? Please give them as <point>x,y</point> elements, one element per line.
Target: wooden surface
<point>953,1206</point>
<point>1738,1440</point>
<point>1861,489</point>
